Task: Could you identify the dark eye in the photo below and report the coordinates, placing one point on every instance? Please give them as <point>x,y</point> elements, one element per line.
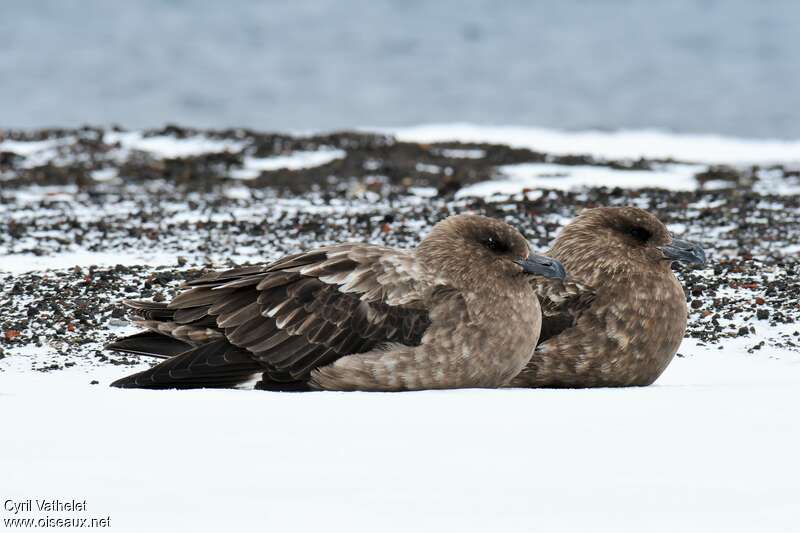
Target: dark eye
<point>639,233</point>
<point>496,245</point>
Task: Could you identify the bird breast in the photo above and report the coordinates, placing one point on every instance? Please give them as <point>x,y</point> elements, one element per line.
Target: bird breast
<point>646,319</point>
<point>502,329</point>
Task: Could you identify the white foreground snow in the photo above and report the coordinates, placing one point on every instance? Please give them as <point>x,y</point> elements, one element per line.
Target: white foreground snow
<point>713,446</point>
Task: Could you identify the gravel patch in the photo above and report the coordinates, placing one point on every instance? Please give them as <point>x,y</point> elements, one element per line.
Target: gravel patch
<point>87,219</point>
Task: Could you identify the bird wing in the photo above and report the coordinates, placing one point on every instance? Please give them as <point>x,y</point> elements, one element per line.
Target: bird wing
<point>562,302</point>
<point>306,310</point>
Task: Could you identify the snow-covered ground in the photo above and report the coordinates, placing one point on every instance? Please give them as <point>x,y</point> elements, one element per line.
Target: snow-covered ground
<point>514,179</point>
<point>714,445</point>
<point>623,144</point>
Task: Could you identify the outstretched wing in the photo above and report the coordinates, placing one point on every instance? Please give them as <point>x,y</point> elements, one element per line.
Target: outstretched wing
<point>305,310</point>
<point>562,303</point>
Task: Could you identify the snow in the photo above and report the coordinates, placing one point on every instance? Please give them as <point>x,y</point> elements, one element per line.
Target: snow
<point>41,249</point>
<point>167,146</point>
<point>299,159</point>
<point>424,192</point>
<point>35,152</point>
<point>625,144</point>
<point>773,182</point>
<point>18,263</point>
<point>514,179</point>
<point>27,148</point>
<point>467,154</point>
<point>711,447</point>
<point>432,169</point>
<point>106,174</point>
<point>52,193</point>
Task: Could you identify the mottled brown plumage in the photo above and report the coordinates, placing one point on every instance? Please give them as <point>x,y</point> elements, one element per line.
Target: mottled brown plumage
<point>625,315</point>
<point>459,311</point>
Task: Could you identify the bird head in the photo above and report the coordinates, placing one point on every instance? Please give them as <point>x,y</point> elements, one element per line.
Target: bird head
<point>622,238</point>
<point>469,251</point>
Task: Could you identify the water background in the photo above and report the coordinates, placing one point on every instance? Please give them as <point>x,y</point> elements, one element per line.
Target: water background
<point>682,65</point>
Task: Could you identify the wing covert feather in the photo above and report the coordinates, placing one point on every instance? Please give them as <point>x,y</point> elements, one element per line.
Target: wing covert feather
<point>562,302</point>
<point>311,308</point>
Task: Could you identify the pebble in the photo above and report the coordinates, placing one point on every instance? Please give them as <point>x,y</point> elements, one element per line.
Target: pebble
<point>180,208</point>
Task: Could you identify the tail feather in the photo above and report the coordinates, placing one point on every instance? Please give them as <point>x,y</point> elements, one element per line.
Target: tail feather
<point>150,343</point>
<point>217,364</point>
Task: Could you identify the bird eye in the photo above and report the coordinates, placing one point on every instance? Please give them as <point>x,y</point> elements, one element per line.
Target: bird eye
<point>496,245</point>
<point>639,233</point>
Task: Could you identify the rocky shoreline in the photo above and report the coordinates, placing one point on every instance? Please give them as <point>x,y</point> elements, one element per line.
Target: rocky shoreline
<point>172,203</point>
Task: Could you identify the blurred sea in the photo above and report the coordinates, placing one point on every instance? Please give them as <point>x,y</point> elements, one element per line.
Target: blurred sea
<point>684,65</point>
